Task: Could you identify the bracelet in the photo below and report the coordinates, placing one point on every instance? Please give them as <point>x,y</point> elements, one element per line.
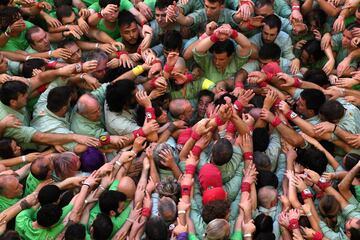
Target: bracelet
<point>247,235</point>
<point>245,187</point>
<point>185,190</point>
<point>130,220</point>
<point>118,163</point>
<point>214,38</point>
<point>262,84</point>
<point>189,77</point>
<point>97,45</point>
<point>119,53</point>
<point>104,140</point>
<point>295,7</point>
<point>181,212</point>
<point>293,224</point>
<point>250,26</point>
<point>146,212</point>
<point>195,135</point>
<point>318,236</point>
<point>335,128</point>
<point>6,34</point>
<point>82,75</point>
<point>230,128</point>
<point>238,105</point>
<point>101,187</point>
<point>86,184</point>
<point>27,58</point>
<point>24,205</point>
<point>50,53</point>
<point>196,150</point>
<point>99,15</point>
<point>150,113</point>
<point>137,70</point>
<point>78,68</point>
<point>248,156</point>
<point>234,34</point>
<point>306,193</point>
<point>291,115</point>
<point>323,184</point>
<point>155,61</point>
<point>308,214</point>
<point>23,158</point>
<point>276,122</point>
<point>52,64</point>
<point>190,169</point>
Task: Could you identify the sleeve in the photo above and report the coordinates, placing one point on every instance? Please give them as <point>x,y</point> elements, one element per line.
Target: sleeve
<point>286,25</point>
<point>99,93</point>
<point>330,234</point>
<point>273,149</point>
<point>203,60</point>
<point>287,48</point>
<point>114,185</point>
<point>282,8</point>
<point>237,235</point>
<point>197,219</point>
<point>21,135</point>
<point>251,66</point>
<point>23,221</point>
<point>199,18</point>
<point>121,126</point>
<point>125,5</point>
<point>95,6</point>
<point>191,6</point>
<point>155,204</point>
<point>158,49</point>
<point>232,187</point>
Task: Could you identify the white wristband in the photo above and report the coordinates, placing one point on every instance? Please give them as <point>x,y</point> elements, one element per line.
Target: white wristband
<point>247,235</point>
<point>23,158</point>
<point>97,46</point>
<point>27,58</point>
<point>50,53</point>
<point>181,212</point>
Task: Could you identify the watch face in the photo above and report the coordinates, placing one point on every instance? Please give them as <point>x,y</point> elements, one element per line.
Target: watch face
<point>103,138</point>
<point>322,179</point>
<point>293,115</point>
<point>307,191</point>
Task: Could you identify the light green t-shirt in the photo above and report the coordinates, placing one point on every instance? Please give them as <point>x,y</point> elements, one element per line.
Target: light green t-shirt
<point>19,42</point>
<point>124,5</point>
<point>31,184</point>
<point>7,202</point>
<point>115,33</point>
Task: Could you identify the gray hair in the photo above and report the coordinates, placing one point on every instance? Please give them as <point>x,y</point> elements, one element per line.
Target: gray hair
<point>81,105</point>
<point>157,150</point>
<point>167,204</point>
<point>262,161</point>
<point>95,55</point>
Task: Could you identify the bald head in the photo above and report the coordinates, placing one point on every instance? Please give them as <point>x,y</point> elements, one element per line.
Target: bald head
<point>167,209</point>
<point>181,109</point>
<point>180,63</point>
<point>10,186</point>
<point>267,196</point>
<point>88,107</point>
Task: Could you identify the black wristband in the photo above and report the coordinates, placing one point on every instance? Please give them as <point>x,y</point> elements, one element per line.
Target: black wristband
<point>334,128</point>
<point>24,205</point>
<point>172,127</point>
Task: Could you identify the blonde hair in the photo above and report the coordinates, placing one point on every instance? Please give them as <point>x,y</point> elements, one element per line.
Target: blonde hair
<point>217,229</point>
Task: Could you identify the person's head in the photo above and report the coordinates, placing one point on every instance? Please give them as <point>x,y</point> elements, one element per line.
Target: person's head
<point>352,228</point>
<point>167,209</point>
<point>205,97</point>
<point>89,107</point>
<point>75,231</point>
<point>157,152</point>
<point>128,187</point>
<point>213,9</point>
<point>264,8</point>
<point>66,164</point>
<point>261,139</point>
<point>316,19</point>
<point>350,160</point>
<point>10,187</point>
<point>9,148</point>
<point>14,94</point>
<point>113,16</point>
<point>102,58</point>
<point>66,15</point>
<point>38,39</point>
<point>177,81</point>
<point>209,177</point>
<point>49,194</point>
<point>329,207</point>
<point>262,161</point>
<point>215,209</point>
<point>128,28</point>
<point>58,100</point>
<point>263,223</point>
<point>30,65</point>
<point>311,52</point>
<point>59,3</point>
<point>313,159</point>
<point>181,109</point>
<point>91,159</point>
<point>348,36</point>
<point>267,197</point>
<point>172,42</point>
<point>9,15</point>
<point>112,203</point>
<point>221,54</point>
<point>332,111</point>
<point>217,229</point>
<point>5,3</point>
<point>43,166</point>
<point>102,227</point>
<point>317,76</point>
<point>49,215</point>
<point>269,52</point>
<point>121,95</point>
<point>10,235</point>
<point>222,152</point>
<point>73,48</point>
<point>266,178</point>
<point>169,187</point>
<point>271,28</point>
<point>310,102</point>
<point>160,12</point>
<point>156,229</point>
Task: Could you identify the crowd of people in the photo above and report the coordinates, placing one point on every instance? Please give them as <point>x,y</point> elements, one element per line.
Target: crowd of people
<point>195,119</point>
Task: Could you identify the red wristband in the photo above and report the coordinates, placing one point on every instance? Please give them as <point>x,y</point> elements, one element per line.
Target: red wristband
<point>119,53</point>
<point>214,38</point>
<point>150,113</point>
<point>185,190</point>
<point>195,135</point>
<point>306,194</point>
<point>318,236</point>
<point>189,77</point>
<point>248,156</point>
<point>146,212</point>
<point>293,224</point>
<point>238,105</point>
<point>323,184</point>
<point>196,150</point>
<point>277,102</point>
<point>239,84</point>
<point>262,84</point>
<point>104,140</point>
<point>245,187</point>
<point>168,68</point>
<point>51,64</point>
<point>234,34</point>
<point>155,61</point>
<point>153,83</point>
<point>190,169</point>
<point>276,122</point>
<point>249,26</point>
<point>291,115</point>
<point>138,133</point>
<point>42,88</point>
<point>297,82</point>
<point>230,128</point>
<point>218,121</point>
<point>99,15</point>
<point>138,50</point>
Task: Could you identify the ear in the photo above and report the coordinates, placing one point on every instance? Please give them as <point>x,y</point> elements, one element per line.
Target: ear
<point>112,213</point>
<point>12,102</point>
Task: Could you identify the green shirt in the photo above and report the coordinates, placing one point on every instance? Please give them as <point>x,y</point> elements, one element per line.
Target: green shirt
<point>19,42</point>
<point>31,184</point>
<point>341,51</point>
<point>205,61</point>
<point>124,5</point>
<point>114,33</point>
<point>5,202</point>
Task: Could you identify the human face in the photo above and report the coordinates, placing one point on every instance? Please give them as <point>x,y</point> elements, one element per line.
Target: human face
<point>346,40</point>
<point>71,20</point>
<point>41,41</point>
<point>302,109</point>
<point>160,17</point>
<point>129,33</point>
<point>15,148</point>
<point>269,34</point>
<point>351,223</point>
<point>75,53</point>
<point>221,60</point>
<point>179,79</point>
<point>21,101</point>
<point>163,118</point>
<point>3,64</point>
<point>264,11</point>
<point>305,57</point>
<point>100,70</point>
<point>203,104</point>
<point>94,113</point>
<point>212,10</point>
<point>14,186</point>
<point>188,111</point>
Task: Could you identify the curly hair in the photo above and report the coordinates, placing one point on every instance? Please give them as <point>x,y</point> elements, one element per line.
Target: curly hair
<point>215,209</point>
<point>169,187</point>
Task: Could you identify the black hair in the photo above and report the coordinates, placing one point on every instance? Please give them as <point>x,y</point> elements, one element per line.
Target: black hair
<point>58,98</point>
<point>270,51</point>
<point>226,46</point>
<point>304,221</point>
<point>126,18</point>
<point>332,111</point>
<point>156,229</point>
<point>172,40</point>
<point>4,3</point>
<point>109,201</point>
<point>207,93</point>
<point>263,223</point>
<point>112,74</point>
<point>215,209</point>
<point>30,32</point>
<point>266,178</point>
<point>102,227</point>
<point>49,194</point>
<point>221,2</point>
<point>313,159</point>
<point>222,152</point>
<point>5,148</point>
<point>48,215</point>
<point>9,15</point>
<point>140,113</point>
<point>261,139</point>
<point>273,21</point>
<point>317,76</point>
<point>262,161</point>
<point>353,25</point>
<point>261,3</point>
<point>75,231</point>
<point>313,48</point>
<point>318,16</point>
<point>10,235</point>
<point>265,236</point>
<point>63,11</point>
<point>221,100</point>
<point>104,3</point>
<point>313,98</point>
<point>119,95</point>
<point>30,65</point>
<point>11,90</point>
<point>355,233</point>
<point>161,4</point>
<point>43,169</point>
<point>59,3</point>
<point>65,42</point>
